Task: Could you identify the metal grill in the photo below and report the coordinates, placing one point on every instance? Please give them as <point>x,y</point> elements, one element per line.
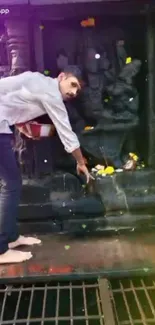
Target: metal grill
<point>72,303</point>
<point>100,302</point>
<point>134,301</point>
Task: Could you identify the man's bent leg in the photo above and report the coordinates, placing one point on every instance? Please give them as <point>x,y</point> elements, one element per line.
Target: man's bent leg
<point>9,194</point>
<point>9,200</point>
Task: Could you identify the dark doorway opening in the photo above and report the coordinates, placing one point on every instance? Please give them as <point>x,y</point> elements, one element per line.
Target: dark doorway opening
<point>68,38</point>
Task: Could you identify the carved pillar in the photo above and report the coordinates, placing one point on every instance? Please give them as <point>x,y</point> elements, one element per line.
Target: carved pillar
<point>18,45</point>
<point>4,58</point>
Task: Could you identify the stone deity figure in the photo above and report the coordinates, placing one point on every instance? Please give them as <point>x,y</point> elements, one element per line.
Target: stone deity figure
<point>112,99</point>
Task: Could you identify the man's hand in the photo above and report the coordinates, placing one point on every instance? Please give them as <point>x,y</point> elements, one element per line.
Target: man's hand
<point>81,168</point>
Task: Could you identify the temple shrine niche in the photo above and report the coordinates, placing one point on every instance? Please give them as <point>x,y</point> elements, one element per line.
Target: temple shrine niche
<point>109,103</point>
<point>107,117</point>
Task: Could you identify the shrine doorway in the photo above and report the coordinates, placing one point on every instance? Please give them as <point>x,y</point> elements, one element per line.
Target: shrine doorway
<point>69,39</point>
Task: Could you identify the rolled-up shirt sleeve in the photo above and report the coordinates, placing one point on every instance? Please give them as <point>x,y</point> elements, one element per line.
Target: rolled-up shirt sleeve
<point>56,110</point>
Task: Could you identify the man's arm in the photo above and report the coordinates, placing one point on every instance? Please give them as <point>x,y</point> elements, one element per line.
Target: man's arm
<point>77,154</point>
<point>56,110</point>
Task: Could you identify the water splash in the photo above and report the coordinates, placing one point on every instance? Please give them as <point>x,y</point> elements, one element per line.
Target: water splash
<point>121,196</point>
<point>120,193</point>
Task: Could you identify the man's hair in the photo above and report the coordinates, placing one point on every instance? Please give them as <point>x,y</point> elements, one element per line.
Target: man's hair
<point>75,71</point>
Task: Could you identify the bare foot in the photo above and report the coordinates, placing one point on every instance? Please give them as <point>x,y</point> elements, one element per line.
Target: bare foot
<point>12,256</point>
<point>28,241</point>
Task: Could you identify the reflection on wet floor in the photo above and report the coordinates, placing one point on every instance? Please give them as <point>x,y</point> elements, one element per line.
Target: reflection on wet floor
<point>60,255</point>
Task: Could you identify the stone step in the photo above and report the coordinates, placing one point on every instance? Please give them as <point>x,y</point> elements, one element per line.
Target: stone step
<point>129,222</point>
<point>62,197</point>
<point>110,224</point>
<point>88,206</point>
<point>127,190</point>
<point>129,180</point>
<point>57,186</point>
<point>137,183</point>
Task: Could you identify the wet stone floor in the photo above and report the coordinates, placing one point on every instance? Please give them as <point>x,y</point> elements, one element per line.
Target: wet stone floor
<point>64,255</point>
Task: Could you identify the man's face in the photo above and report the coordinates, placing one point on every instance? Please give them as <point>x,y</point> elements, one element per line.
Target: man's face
<point>69,86</point>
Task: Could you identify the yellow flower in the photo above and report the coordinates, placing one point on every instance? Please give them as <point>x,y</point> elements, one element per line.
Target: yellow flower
<point>109,170</point>
<point>87,128</point>
<point>101,172</point>
<point>133,156</point>
<point>128,60</point>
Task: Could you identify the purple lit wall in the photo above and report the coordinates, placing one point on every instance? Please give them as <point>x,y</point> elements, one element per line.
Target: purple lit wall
<point>4,3</point>
<point>47,2</point>
<point>50,2</point>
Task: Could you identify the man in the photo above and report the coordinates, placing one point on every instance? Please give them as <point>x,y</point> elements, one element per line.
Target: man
<point>24,98</point>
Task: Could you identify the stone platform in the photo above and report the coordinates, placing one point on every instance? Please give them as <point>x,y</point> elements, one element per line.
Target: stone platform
<point>61,202</point>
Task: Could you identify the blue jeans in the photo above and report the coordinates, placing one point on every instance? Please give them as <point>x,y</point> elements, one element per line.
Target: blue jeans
<point>10,190</point>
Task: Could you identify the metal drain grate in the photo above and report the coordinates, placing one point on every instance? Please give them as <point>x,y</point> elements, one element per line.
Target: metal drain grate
<point>119,302</point>
<point>133,301</point>
<point>71,303</point>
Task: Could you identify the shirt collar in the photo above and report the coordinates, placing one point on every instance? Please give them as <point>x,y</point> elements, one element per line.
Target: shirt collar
<point>55,80</point>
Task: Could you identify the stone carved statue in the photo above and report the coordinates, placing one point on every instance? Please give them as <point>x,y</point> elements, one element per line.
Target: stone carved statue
<point>91,98</point>
<point>113,106</point>
<point>109,103</point>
